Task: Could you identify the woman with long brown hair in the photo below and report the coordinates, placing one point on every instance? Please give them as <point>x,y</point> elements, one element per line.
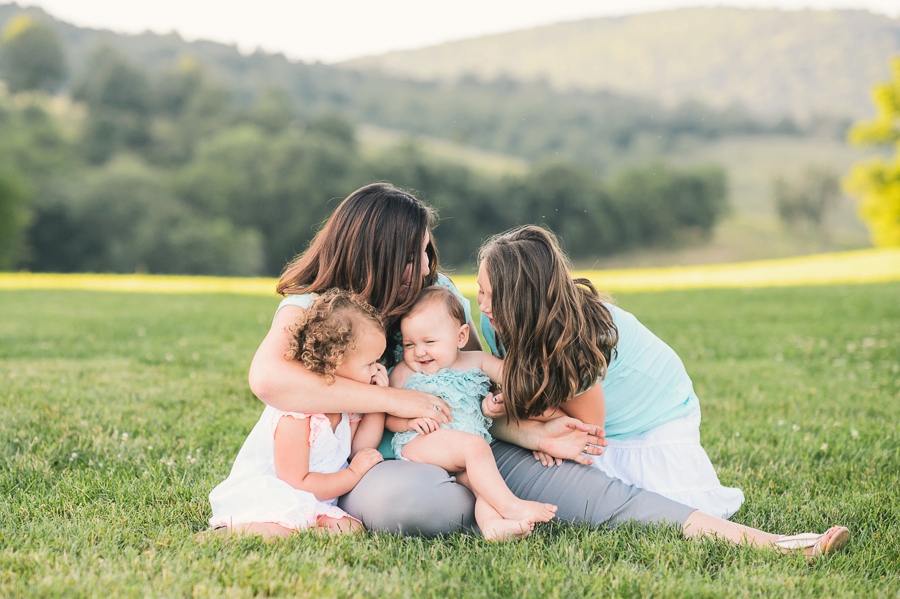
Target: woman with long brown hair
<point>569,351</point>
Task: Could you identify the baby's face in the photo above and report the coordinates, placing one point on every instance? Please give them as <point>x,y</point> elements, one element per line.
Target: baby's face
<point>361,363</point>
<point>432,339</point>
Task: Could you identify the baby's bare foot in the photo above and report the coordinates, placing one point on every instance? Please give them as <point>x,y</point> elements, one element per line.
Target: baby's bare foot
<point>501,529</point>
<point>529,510</point>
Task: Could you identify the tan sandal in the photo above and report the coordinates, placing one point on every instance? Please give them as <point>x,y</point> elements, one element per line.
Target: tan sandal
<point>821,544</point>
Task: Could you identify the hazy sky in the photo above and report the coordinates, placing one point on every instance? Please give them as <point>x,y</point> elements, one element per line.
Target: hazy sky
<point>334,30</point>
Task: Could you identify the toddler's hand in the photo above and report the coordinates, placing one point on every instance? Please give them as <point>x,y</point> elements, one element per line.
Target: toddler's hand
<point>492,406</point>
<point>380,378</point>
<point>364,460</point>
<point>423,426</point>
<point>546,459</point>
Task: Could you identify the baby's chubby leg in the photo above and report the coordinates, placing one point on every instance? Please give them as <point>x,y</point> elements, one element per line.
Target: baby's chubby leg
<point>495,527</point>
<point>456,451</point>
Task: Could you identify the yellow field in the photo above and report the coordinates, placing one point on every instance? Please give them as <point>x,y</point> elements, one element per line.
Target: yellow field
<point>863,266</point>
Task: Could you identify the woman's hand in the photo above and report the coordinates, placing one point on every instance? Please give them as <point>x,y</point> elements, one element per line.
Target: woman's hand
<point>416,404</point>
<point>569,439</point>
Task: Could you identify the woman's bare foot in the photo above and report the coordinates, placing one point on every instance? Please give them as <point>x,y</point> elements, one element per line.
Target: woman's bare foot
<point>501,529</point>
<point>813,545</point>
<point>535,511</point>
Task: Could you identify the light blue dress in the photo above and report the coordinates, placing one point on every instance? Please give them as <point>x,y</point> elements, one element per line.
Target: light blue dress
<point>463,390</point>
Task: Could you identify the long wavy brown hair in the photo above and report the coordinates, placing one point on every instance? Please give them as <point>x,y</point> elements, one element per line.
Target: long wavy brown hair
<point>365,247</point>
<point>328,330</point>
<point>558,335</point>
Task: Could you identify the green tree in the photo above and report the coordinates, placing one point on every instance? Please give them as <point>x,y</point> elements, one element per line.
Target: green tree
<point>122,219</point>
<point>876,183</point>
<point>805,204</point>
<point>277,185</point>
<point>33,56</point>
<point>571,202</point>
<point>119,98</point>
<point>469,205</point>
<point>273,111</point>
<point>14,217</point>
<point>33,153</point>
<point>657,204</point>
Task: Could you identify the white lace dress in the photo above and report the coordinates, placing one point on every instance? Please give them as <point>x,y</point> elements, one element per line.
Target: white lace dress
<point>253,493</point>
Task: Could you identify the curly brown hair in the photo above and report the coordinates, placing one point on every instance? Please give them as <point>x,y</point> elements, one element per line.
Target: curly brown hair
<point>328,330</point>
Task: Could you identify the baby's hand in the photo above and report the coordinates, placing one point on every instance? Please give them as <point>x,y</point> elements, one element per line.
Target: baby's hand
<point>365,460</point>
<point>492,406</point>
<point>380,378</point>
<point>423,426</point>
<point>546,459</point>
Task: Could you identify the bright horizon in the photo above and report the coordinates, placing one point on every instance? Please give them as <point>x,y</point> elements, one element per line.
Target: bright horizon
<point>345,29</point>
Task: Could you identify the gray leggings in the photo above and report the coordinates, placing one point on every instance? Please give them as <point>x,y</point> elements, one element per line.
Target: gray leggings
<point>408,498</point>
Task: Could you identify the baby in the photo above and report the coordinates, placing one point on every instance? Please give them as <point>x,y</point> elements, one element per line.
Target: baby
<point>434,331</point>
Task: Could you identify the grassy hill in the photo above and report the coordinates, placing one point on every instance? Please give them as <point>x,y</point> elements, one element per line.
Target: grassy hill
<point>773,62</point>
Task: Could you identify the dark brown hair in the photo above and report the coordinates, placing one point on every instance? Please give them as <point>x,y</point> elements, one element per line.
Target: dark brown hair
<point>558,336</point>
<point>328,330</point>
<point>444,298</point>
<point>365,247</point>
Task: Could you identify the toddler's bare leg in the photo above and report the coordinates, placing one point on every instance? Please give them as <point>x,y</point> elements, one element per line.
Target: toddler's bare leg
<point>455,451</point>
<point>339,525</point>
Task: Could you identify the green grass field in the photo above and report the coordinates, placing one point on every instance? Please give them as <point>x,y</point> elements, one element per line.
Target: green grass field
<point>121,411</point>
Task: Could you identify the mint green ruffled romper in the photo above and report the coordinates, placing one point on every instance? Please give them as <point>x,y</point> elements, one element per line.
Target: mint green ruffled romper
<point>463,390</point>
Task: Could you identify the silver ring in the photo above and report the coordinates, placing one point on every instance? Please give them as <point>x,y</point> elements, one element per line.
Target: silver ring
<point>436,408</point>
<point>586,446</point>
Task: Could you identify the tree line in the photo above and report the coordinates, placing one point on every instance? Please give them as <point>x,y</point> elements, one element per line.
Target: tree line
<point>599,130</point>
<point>171,171</point>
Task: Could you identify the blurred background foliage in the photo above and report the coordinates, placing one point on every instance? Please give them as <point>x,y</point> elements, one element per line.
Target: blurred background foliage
<point>146,153</point>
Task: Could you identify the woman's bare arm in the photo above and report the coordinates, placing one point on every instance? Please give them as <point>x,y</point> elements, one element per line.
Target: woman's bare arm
<point>287,385</point>
<point>563,437</point>
<point>589,407</point>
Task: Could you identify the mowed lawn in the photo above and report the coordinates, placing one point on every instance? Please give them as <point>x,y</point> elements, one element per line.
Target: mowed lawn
<point>120,411</point>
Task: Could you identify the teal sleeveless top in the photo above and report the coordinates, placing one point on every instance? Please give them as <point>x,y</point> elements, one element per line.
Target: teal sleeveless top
<point>463,390</point>
<point>646,384</point>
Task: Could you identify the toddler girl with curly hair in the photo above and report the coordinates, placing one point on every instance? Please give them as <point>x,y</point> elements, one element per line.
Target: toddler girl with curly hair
<point>293,466</point>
